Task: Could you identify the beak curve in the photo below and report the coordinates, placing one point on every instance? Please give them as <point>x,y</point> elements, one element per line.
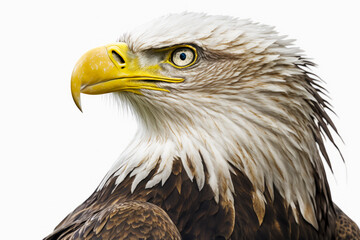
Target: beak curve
<point>113,68</point>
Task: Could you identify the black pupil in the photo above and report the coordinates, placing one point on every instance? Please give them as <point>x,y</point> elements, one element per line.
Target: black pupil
<point>183,56</point>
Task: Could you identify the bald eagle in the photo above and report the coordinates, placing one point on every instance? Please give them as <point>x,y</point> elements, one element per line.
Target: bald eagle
<point>231,136</point>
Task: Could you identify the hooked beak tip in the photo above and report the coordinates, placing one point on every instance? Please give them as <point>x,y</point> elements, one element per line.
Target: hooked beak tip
<point>77,100</point>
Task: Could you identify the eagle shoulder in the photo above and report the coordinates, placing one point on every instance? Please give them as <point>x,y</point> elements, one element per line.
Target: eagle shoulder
<point>126,220</point>
<point>345,229</point>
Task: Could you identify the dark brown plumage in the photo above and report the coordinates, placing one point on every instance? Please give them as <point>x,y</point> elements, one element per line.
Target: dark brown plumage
<point>126,220</point>
<point>188,211</point>
<point>346,229</point>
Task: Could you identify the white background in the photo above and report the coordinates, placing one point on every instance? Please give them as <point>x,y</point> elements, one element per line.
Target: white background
<point>53,157</point>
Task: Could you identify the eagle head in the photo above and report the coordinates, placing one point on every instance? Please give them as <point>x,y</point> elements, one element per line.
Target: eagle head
<point>219,94</point>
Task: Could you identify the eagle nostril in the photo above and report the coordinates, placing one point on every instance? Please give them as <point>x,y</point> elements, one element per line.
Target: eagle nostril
<point>117,57</point>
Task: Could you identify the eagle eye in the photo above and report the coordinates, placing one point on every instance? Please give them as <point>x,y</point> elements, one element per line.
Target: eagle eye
<point>183,57</point>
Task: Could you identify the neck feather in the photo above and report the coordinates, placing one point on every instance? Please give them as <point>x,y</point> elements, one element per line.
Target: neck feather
<point>271,153</point>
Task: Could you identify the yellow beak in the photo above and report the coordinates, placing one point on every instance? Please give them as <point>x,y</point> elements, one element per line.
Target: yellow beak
<point>113,68</point>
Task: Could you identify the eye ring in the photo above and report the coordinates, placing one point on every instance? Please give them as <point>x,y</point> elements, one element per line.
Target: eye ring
<point>184,56</point>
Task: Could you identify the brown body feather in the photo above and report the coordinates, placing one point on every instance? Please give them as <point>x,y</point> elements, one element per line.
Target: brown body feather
<point>127,220</point>
<point>346,229</point>
<point>120,214</point>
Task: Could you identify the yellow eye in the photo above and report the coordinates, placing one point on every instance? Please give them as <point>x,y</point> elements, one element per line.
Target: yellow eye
<point>183,57</point>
